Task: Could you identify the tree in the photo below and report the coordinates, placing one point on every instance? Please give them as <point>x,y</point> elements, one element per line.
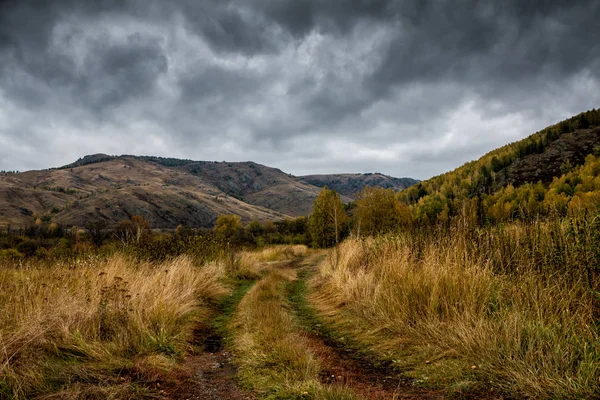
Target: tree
<point>132,230</point>
<point>256,228</point>
<point>227,226</point>
<point>97,230</point>
<point>328,221</point>
<point>140,227</point>
<point>378,211</point>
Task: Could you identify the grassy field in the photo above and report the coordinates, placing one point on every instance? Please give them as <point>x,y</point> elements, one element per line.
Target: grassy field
<point>86,328</point>
<point>511,309</point>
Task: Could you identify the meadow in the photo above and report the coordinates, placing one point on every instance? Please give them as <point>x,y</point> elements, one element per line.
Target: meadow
<point>89,328</point>
<point>510,309</point>
<point>438,311</point>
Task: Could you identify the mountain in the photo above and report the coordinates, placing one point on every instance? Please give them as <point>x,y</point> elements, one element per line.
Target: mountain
<point>259,185</point>
<point>116,188</point>
<point>166,191</point>
<point>539,175</point>
<point>350,184</point>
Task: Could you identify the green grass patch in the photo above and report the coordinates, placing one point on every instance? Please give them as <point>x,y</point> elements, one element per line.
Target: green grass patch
<point>273,357</point>
<point>309,320</point>
<point>225,309</point>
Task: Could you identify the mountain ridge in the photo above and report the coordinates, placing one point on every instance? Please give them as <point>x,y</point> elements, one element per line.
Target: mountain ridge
<point>350,184</point>
<point>168,192</point>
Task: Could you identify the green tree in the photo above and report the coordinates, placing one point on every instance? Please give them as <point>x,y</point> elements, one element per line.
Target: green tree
<point>378,211</point>
<point>227,227</point>
<point>328,221</point>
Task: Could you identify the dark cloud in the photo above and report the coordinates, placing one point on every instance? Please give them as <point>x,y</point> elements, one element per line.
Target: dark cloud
<point>411,87</point>
<point>492,45</point>
<point>300,17</point>
<point>112,73</point>
<point>228,27</point>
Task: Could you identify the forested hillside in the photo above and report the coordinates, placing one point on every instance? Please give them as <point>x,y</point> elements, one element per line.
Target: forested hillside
<point>553,171</point>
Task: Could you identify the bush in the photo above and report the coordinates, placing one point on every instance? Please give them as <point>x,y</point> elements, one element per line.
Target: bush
<point>28,247</point>
<point>10,254</point>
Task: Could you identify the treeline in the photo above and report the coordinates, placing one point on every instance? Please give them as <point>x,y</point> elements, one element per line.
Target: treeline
<point>375,211</point>
<point>45,239</point>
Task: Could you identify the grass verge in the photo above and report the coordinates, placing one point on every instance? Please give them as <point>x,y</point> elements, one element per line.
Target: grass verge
<point>309,320</point>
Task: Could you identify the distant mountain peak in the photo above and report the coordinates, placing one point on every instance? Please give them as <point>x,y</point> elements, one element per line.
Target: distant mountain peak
<point>350,184</point>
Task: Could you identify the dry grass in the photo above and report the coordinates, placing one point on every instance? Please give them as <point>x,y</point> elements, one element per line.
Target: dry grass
<point>73,328</point>
<point>272,355</point>
<point>437,306</point>
<point>254,264</point>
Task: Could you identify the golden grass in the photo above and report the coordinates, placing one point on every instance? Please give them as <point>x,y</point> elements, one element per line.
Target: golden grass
<point>64,326</point>
<point>441,311</point>
<point>273,357</point>
<point>253,264</point>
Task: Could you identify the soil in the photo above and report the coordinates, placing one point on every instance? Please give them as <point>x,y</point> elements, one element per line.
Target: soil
<point>367,381</point>
<point>209,374</point>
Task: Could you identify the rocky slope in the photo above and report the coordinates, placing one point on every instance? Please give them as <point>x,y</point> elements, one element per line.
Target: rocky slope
<point>569,149</point>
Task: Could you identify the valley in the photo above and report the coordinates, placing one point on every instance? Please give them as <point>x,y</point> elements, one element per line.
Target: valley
<point>299,200</point>
<point>481,283</point>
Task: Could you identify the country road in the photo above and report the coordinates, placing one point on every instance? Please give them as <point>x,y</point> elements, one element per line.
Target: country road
<point>266,341</point>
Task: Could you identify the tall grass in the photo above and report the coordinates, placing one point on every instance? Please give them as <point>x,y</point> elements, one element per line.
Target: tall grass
<point>67,328</point>
<point>253,264</point>
<point>512,308</point>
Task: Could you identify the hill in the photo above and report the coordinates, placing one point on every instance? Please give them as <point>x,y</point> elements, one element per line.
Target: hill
<point>166,191</point>
<point>538,175</point>
<point>258,185</point>
<point>350,184</point>
<point>115,189</point>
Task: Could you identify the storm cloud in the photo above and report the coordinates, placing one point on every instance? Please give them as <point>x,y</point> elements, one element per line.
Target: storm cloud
<point>407,88</point>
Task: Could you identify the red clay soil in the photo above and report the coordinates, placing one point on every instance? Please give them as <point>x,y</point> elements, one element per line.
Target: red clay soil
<point>365,381</point>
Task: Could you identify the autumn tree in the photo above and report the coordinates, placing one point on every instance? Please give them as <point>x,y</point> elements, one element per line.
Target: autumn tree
<point>328,221</point>
<point>133,230</point>
<point>378,211</point>
<point>227,227</point>
<point>255,228</point>
<point>140,227</point>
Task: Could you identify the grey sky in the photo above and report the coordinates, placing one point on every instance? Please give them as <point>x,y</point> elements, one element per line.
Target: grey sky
<point>407,88</point>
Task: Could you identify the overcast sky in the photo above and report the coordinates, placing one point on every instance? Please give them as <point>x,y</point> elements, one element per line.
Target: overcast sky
<point>407,88</point>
